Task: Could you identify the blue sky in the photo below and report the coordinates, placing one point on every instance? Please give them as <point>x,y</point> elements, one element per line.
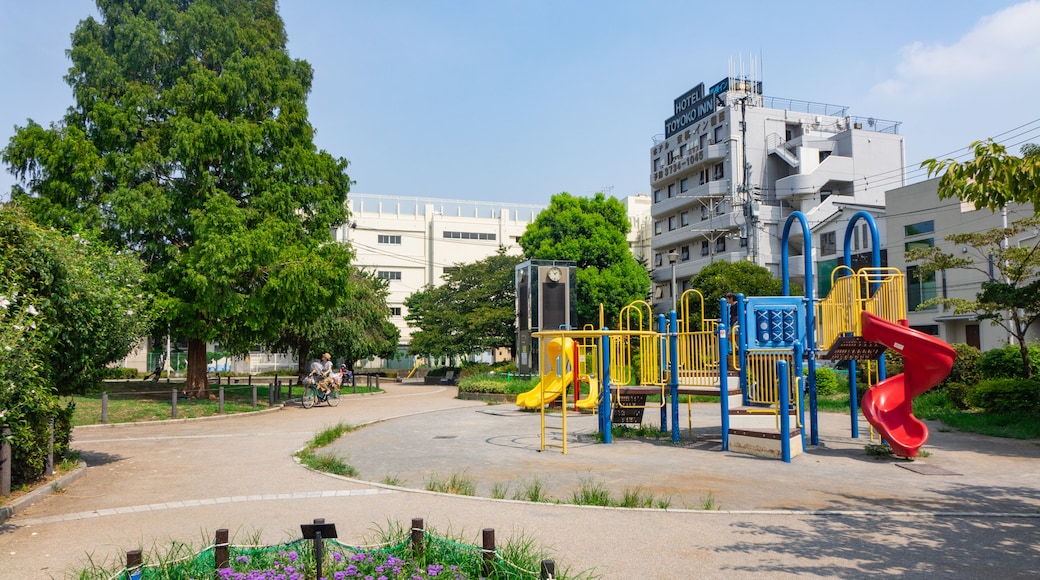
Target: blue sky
<point>510,100</point>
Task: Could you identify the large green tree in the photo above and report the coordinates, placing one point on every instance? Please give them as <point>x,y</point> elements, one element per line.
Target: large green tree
<point>358,327</point>
<point>1012,301</point>
<point>189,143</point>
<point>717,279</point>
<point>472,311</point>
<point>591,232</point>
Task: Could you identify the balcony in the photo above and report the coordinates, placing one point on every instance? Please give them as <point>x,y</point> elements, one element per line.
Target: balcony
<point>832,169</point>
<point>688,199</point>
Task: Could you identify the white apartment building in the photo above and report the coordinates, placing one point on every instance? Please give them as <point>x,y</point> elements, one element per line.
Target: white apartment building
<point>918,218</point>
<point>733,164</point>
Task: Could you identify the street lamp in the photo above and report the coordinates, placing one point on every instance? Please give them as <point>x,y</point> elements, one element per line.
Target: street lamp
<point>673,257</point>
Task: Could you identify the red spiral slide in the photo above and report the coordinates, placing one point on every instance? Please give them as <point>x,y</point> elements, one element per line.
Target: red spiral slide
<point>888,405</point>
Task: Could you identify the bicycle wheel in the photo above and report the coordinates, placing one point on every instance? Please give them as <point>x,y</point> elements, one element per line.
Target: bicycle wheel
<point>333,398</point>
<point>307,399</point>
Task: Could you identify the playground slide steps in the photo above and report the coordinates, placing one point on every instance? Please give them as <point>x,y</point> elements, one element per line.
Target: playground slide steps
<point>762,443</point>
<point>757,418</point>
<point>853,348</point>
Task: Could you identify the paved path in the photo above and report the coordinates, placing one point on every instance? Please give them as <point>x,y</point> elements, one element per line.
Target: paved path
<point>832,512</point>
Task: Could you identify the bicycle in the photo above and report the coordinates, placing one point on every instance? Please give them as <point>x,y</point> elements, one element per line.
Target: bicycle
<point>312,393</point>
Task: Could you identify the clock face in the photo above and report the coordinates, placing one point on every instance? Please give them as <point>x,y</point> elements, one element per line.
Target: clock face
<point>554,274</point>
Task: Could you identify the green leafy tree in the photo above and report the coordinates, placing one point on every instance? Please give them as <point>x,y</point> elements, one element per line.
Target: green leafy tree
<point>472,311</point>
<point>358,327</point>
<point>1013,301</point>
<point>592,233</point>
<point>189,144</point>
<point>992,179</point>
<point>718,278</point>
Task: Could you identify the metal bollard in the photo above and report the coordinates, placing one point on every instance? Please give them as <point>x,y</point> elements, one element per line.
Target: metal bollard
<point>220,401</point>
<point>220,549</point>
<point>49,468</point>
<point>173,404</point>
<point>254,395</point>
<point>104,407</point>
<point>488,557</point>
<point>5,463</point>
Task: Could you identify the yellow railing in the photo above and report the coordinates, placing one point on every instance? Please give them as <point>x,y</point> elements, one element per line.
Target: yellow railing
<point>763,381</point>
<point>880,291</point>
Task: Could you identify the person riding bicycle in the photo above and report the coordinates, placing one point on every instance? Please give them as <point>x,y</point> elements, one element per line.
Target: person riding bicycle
<point>321,375</point>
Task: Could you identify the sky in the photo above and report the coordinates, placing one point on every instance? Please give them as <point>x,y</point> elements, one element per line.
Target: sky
<point>517,100</point>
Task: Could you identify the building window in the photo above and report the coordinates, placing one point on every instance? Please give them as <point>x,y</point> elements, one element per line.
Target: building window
<point>702,142</point>
<point>719,173</point>
<point>920,244</point>
<point>684,219</point>
<point>682,150</point>
<point>828,244</point>
<point>388,275</point>
<point>919,228</point>
<point>918,288</point>
<point>385,239</point>
<point>671,222</point>
<point>704,175</point>
<point>657,228</point>
<point>743,242</point>
<point>704,248</point>
<point>395,311</point>
<point>671,190</point>
<point>704,212</point>
<point>684,185</point>
<point>657,163</point>
<point>657,259</point>
<point>657,196</point>
<point>864,231</point>
<point>718,134</point>
<point>470,236</point>
<point>684,253</point>
<point>720,245</point>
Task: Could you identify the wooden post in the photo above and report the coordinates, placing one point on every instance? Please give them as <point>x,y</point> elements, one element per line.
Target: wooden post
<point>133,564</point>
<point>488,557</point>
<point>220,549</point>
<point>5,463</point>
<point>548,570</point>
<point>49,467</point>
<point>220,400</point>
<point>417,538</point>
<point>104,407</point>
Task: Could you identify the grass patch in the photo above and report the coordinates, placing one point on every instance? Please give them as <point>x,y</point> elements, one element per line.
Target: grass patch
<point>935,405</point>
<point>532,491</point>
<point>499,490</point>
<point>709,503</point>
<point>592,492</point>
<point>392,480</point>
<point>327,462</point>
<point>456,483</point>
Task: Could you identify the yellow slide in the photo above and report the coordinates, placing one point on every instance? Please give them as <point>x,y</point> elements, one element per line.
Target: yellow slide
<point>592,400</point>
<point>554,380</point>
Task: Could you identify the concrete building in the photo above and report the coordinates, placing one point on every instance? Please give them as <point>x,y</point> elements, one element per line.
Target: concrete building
<point>916,217</point>
<point>733,164</point>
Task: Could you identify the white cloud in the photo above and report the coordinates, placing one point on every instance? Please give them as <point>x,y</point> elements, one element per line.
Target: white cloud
<point>1002,49</point>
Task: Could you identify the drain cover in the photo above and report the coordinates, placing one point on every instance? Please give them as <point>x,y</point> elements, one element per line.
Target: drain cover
<point>925,469</point>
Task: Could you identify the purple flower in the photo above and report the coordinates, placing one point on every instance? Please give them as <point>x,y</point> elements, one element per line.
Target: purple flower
<point>337,557</point>
<point>242,559</point>
<point>293,556</point>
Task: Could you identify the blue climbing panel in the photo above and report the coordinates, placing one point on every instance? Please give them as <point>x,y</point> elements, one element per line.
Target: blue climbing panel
<point>778,321</point>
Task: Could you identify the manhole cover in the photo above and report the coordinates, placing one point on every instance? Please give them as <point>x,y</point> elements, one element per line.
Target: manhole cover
<point>445,436</point>
<point>925,469</point>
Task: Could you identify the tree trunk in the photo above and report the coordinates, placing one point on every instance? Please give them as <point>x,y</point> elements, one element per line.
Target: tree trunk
<point>195,384</point>
<point>1024,349</point>
<point>303,353</point>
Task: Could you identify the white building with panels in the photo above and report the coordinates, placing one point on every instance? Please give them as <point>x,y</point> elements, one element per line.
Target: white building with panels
<point>708,204</point>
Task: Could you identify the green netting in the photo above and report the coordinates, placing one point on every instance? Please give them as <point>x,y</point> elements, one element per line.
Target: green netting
<point>441,559</point>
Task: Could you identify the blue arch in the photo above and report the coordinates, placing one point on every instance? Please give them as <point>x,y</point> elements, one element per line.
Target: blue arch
<point>810,310</point>
<point>850,230</point>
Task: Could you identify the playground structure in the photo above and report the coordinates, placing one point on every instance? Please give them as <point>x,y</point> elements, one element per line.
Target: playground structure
<point>763,370</point>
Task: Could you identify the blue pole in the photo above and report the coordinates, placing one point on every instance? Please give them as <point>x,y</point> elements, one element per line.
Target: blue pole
<point>798,391</point>
<point>662,326</point>
<point>785,411</point>
<point>606,425</point>
<point>853,400</point>
<point>724,373</point>
<point>673,379</point>
<point>810,311</point>
<point>741,336</point>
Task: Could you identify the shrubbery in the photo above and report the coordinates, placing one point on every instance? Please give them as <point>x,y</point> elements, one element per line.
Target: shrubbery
<point>1006,396</point>
<point>1006,362</point>
<point>120,373</point>
<point>827,382</point>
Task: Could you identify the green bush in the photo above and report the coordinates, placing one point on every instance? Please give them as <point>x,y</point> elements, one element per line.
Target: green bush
<point>965,367</point>
<point>827,382</point>
<point>1006,362</point>
<point>1006,396</point>
<point>958,394</point>
<point>120,373</point>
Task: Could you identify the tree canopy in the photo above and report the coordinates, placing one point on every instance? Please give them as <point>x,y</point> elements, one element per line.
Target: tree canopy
<point>358,327</point>
<point>992,179</point>
<point>472,311</point>
<point>592,233</point>
<point>715,280</point>
<point>1013,301</point>
<point>189,143</point>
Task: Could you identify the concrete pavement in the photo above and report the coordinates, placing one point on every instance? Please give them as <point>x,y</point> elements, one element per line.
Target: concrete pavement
<point>832,512</point>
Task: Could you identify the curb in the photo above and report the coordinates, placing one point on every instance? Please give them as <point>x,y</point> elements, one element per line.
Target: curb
<point>184,420</point>
<point>8,511</point>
